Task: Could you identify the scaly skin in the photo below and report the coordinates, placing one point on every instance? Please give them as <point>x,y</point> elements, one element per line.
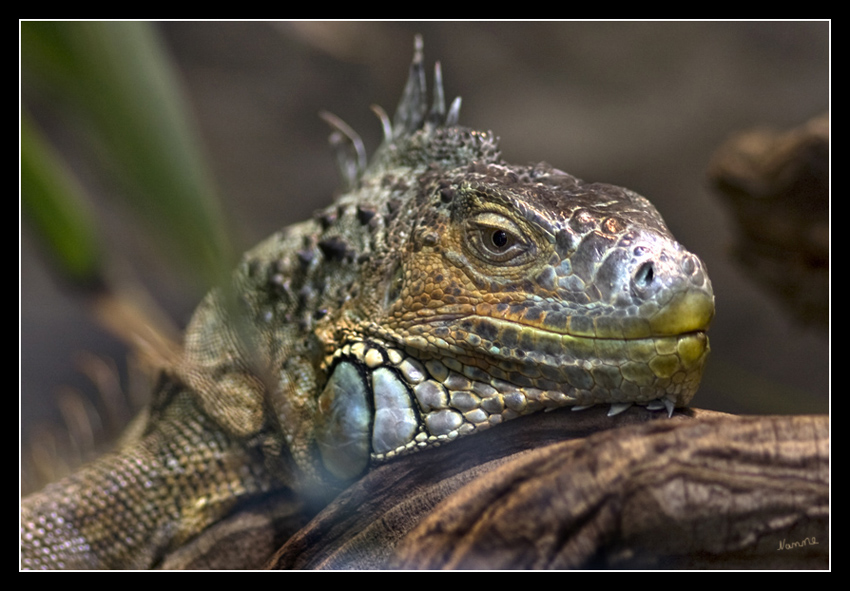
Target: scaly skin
<point>445,292</point>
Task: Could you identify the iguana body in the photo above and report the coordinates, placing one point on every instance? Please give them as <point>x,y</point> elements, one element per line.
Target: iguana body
<point>445,292</point>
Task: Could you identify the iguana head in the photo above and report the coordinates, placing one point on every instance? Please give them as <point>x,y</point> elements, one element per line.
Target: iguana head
<point>494,290</point>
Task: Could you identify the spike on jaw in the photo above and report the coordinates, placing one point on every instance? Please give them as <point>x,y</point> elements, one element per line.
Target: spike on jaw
<point>618,407</point>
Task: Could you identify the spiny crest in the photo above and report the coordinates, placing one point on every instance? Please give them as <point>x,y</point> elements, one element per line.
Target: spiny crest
<point>411,115</point>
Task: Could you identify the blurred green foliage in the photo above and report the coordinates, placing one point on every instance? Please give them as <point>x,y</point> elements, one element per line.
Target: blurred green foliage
<point>117,79</point>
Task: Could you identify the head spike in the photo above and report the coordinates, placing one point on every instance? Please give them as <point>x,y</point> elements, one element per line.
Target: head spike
<point>413,105</point>
<point>349,148</point>
<point>385,122</point>
<point>454,113</point>
<point>438,107</point>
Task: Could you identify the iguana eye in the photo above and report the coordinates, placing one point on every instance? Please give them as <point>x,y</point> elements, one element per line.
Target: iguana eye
<point>500,239</point>
<point>496,239</point>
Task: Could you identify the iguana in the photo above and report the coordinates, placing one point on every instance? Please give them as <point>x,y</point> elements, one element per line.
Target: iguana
<point>446,291</point>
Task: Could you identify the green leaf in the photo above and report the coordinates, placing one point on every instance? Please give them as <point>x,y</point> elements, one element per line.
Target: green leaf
<point>119,78</point>
<point>55,204</point>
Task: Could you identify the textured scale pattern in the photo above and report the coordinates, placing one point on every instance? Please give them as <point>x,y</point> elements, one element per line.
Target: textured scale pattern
<point>446,291</point>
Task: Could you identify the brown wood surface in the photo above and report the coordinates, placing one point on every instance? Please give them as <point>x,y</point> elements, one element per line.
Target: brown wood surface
<point>566,490</point>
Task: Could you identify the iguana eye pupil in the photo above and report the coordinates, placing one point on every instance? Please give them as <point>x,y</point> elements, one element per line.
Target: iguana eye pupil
<point>500,239</point>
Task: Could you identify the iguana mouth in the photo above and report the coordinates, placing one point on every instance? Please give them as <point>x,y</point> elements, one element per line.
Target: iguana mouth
<point>588,370</point>
<point>383,400</point>
<point>632,360</point>
<point>690,310</point>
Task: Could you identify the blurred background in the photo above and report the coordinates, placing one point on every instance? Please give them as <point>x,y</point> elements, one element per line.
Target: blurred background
<point>642,105</point>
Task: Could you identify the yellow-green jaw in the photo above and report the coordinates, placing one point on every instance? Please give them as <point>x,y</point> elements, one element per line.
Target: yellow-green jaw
<point>382,401</point>
<point>686,312</point>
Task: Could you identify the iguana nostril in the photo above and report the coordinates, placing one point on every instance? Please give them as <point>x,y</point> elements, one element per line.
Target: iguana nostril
<point>645,275</point>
